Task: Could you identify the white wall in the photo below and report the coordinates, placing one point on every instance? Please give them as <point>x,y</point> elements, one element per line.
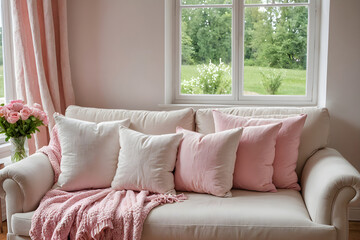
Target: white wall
<point>343,78</point>
<point>117,52</point>
<point>117,61</point>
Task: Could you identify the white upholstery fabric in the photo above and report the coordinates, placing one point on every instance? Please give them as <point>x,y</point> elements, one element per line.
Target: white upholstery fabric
<point>247,215</point>
<point>148,122</point>
<point>24,184</point>
<point>35,177</point>
<point>314,135</point>
<point>14,200</point>
<point>89,152</point>
<point>11,236</point>
<point>329,182</point>
<point>21,223</point>
<point>324,176</point>
<point>146,162</point>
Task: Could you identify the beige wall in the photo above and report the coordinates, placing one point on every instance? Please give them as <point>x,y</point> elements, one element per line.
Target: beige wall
<point>117,61</point>
<point>343,78</point>
<point>117,52</point>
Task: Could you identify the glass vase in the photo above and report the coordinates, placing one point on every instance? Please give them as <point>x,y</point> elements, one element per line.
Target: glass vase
<point>18,151</point>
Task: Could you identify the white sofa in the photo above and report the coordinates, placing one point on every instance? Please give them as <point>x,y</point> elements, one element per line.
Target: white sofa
<point>329,182</point>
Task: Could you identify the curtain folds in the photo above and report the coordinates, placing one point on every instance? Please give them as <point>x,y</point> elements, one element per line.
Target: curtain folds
<point>41,58</point>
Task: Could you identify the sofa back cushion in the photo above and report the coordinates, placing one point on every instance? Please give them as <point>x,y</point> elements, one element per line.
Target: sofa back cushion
<point>148,122</point>
<point>205,163</point>
<point>314,135</point>
<point>89,152</point>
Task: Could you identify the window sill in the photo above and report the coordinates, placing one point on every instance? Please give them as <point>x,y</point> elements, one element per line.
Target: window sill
<point>5,150</point>
<point>175,106</point>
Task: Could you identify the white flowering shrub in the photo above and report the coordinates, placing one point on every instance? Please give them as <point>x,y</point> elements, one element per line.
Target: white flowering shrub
<point>212,79</point>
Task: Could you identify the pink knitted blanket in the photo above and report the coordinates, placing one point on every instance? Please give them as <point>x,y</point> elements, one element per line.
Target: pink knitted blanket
<point>91,214</point>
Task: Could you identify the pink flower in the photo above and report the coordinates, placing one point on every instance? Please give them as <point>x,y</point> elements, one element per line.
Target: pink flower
<point>17,101</point>
<point>4,111</point>
<point>38,106</point>
<point>45,119</point>
<point>36,112</point>
<point>8,106</point>
<point>17,106</point>
<point>13,117</point>
<point>25,113</point>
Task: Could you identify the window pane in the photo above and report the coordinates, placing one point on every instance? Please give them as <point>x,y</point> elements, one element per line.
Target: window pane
<point>274,1</point>
<point>205,2</point>
<point>206,51</point>
<point>275,50</point>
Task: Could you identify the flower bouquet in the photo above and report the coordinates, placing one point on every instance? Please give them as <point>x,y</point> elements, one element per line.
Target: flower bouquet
<point>18,121</point>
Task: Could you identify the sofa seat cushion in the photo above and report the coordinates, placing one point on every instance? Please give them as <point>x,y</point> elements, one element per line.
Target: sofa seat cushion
<point>246,215</point>
<point>21,223</point>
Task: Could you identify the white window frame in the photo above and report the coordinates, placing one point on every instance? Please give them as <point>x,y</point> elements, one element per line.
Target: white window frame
<point>8,66</point>
<point>8,52</point>
<point>173,92</point>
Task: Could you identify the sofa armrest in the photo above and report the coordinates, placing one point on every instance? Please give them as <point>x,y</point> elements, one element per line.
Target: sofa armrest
<point>28,179</point>
<point>329,182</point>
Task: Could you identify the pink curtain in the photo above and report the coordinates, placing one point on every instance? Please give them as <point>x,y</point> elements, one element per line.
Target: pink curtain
<point>41,58</point>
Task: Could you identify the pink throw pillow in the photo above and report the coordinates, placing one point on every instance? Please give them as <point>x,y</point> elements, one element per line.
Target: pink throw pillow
<point>205,163</point>
<point>255,156</point>
<point>286,149</point>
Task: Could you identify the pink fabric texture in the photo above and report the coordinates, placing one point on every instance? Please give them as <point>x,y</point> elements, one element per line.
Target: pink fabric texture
<point>205,163</point>
<point>95,214</point>
<point>255,155</point>
<point>41,59</point>
<point>286,149</point>
<point>53,151</point>
<point>92,214</point>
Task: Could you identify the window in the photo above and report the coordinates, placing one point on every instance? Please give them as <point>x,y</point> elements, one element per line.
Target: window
<point>245,51</point>
<point>6,66</point>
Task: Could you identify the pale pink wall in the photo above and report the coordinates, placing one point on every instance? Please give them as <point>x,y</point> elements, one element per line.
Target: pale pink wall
<point>117,61</point>
<point>117,52</point>
<point>343,78</point>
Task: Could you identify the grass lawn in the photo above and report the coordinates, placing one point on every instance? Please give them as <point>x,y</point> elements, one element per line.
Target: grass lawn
<point>294,82</point>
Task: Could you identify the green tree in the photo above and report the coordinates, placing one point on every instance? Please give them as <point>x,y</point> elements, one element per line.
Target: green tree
<point>209,30</point>
<point>276,37</point>
<point>187,50</point>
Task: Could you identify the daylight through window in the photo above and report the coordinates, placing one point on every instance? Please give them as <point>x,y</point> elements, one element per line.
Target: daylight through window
<point>233,50</point>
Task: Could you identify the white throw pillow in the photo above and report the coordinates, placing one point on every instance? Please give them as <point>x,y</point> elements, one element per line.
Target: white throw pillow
<point>89,152</point>
<point>146,162</point>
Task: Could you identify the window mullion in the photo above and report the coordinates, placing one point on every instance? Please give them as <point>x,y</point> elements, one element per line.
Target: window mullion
<point>234,52</point>
<point>240,49</point>
<point>311,48</point>
<point>177,73</point>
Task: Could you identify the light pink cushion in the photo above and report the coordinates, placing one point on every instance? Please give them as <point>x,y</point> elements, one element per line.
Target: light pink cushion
<point>205,163</point>
<point>255,156</point>
<point>286,149</point>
